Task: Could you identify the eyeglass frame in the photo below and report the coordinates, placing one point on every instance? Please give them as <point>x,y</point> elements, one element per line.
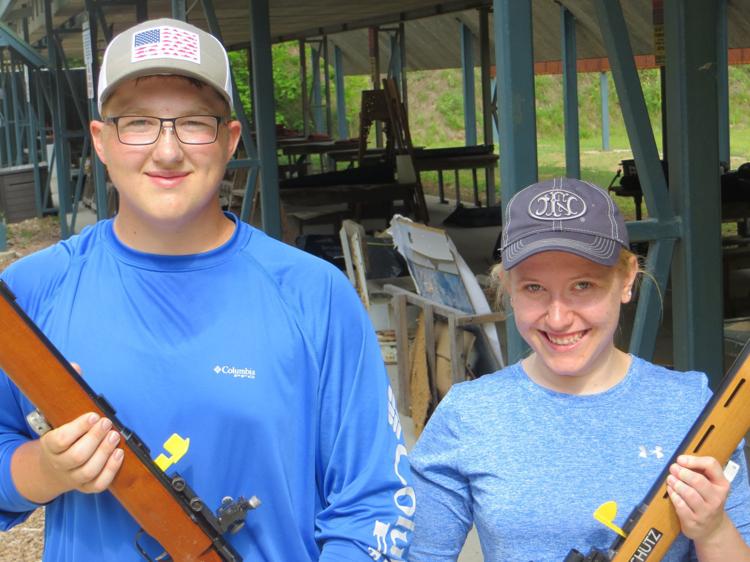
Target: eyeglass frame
<point>114,121</point>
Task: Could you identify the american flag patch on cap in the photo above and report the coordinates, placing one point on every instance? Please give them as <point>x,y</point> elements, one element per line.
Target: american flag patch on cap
<point>166,42</point>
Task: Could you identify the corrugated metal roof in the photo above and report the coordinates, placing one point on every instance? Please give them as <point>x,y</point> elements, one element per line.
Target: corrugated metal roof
<point>431,42</point>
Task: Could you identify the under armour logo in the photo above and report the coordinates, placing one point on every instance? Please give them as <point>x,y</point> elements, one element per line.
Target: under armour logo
<point>657,451</point>
<point>557,204</point>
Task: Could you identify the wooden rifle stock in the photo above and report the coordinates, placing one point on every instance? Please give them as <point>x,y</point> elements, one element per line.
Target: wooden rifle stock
<point>653,525</point>
<point>165,507</point>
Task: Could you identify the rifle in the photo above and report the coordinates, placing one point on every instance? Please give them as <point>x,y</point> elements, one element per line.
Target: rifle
<point>165,507</point>
<point>653,525</point>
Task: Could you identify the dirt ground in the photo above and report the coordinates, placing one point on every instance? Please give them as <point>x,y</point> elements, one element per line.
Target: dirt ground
<point>24,542</point>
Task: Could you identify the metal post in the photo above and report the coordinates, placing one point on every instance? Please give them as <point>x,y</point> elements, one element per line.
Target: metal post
<point>467,67</point>
<point>692,120</point>
<point>6,110</point>
<point>722,79</point>
<point>317,104</point>
<point>178,10</point>
<point>570,94</point>
<point>303,89</point>
<point>653,183</point>
<point>17,119</point>
<point>62,152</point>
<point>517,114</point>
<point>92,68</point>
<point>247,140</point>
<point>374,51</point>
<point>141,10</point>
<point>402,53</point>
<point>394,65</point>
<point>338,69</point>
<point>486,86</point>
<point>265,116</point>
<point>327,85</point>
<point>634,113</point>
<point>604,97</point>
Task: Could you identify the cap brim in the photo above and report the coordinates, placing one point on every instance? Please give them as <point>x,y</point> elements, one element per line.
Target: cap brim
<point>160,71</point>
<point>604,251</point>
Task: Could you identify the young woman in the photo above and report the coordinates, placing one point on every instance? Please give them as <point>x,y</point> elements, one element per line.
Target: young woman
<point>527,454</point>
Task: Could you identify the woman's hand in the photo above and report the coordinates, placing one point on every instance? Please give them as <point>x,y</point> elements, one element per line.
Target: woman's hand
<point>698,490</point>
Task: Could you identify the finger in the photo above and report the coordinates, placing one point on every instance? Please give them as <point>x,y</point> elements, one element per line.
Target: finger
<point>684,513</point>
<point>689,496</point>
<point>85,447</point>
<point>62,438</point>
<point>108,473</point>
<point>708,466</point>
<point>90,470</point>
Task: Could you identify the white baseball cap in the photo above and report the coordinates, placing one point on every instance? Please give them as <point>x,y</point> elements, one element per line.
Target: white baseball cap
<point>165,46</point>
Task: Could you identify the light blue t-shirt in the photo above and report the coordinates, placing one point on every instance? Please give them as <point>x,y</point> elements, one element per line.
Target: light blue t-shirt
<point>529,466</point>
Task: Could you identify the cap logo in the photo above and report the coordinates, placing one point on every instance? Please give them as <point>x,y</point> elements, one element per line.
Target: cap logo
<point>557,205</point>
<point>166,42</point>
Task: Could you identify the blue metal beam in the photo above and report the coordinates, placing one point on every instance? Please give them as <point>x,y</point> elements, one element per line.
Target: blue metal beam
<point>486,88</point>
<point>62,150</point>
<point>394,64</point>
<point>25,51</point>
<point>17,117</point>
<point>467,68</point>
<point>514,57</point>
<point>570,93</point>
<point>265,116</point>
<point>652,291</point>
<point>317,100</point>
<point>338,69</point>
<point>692,126</point>
<point>722,78</point>
<point>327,85</point>
<point>239,109</point>
<point>178,10</point>
<point>615,35</point>
<point>92,67</point>
<point>604,97</point>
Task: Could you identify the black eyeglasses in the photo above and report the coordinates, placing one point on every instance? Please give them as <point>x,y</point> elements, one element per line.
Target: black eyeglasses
<point>145,129</point>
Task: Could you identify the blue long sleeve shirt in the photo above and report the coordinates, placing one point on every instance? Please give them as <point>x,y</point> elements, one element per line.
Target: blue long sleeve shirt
<point>529,466</point>
<point>259,354</point>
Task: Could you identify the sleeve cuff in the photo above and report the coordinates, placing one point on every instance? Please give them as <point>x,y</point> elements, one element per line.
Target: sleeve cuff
<point>11,499</point>
<point>346,551</point>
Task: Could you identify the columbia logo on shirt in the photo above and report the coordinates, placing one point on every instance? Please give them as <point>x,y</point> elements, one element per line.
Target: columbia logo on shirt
<point>238,373</point>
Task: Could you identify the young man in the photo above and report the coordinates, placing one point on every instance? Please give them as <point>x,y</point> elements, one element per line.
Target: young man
<point>191,322</point>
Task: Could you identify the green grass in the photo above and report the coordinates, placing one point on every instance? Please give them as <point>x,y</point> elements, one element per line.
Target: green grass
<point>436,119</point>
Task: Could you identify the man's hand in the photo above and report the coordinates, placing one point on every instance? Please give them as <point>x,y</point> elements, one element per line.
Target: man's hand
<point>79,455</point>
<point>698,490</point>
<point>82,455</point>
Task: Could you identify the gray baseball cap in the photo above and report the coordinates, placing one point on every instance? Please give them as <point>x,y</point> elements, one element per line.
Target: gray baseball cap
<point>566,215</point>
<point>165,46</point>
